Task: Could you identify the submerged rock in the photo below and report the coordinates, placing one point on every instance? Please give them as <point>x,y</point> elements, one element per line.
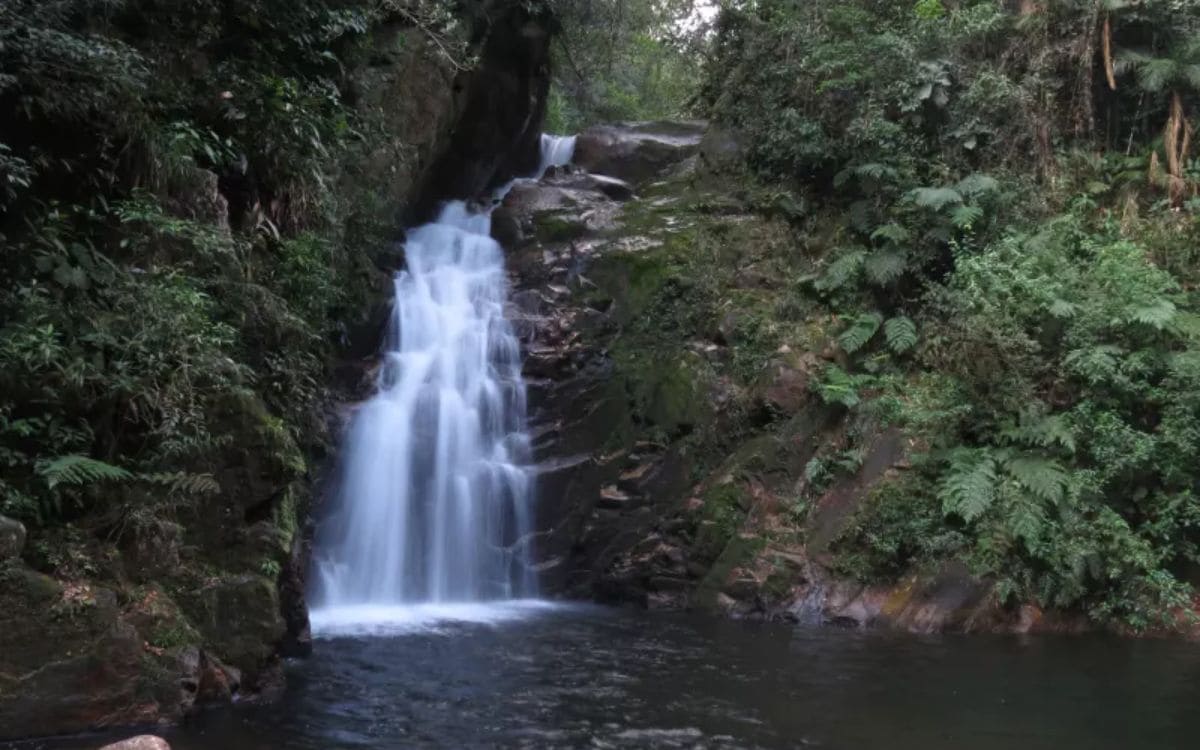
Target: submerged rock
<point>141,742</point>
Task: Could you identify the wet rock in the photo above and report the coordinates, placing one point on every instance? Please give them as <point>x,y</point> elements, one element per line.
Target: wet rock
<point>209,680</point>
<point>141,742</point>
<point>12,538</point>
<point>506,228</point>
<point>618,190</point>
<point>785,387</point>
<point>69,662</point>
<point>240,617</point>
<point>636,152</point>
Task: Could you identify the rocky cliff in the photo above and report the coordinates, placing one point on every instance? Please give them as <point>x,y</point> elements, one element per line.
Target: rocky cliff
<point>671,360</point>
<point>115,619</point>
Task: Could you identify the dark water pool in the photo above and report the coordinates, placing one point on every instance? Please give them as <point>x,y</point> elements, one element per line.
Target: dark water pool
<point>584,677</point>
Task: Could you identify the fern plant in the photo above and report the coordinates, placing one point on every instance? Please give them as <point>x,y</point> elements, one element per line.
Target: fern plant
<point>901,334</point>
<point>862,329</point>
<point>79,471</point>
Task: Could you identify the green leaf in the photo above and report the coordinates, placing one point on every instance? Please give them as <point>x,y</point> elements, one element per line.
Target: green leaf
<point>860,331</point>
<point>1157,315</point>
<point>968,487</point>
<point>882,267</point>
<point>892,232</point>
<point>964,217</point>
<point>901,334</point>
<point>1044,478</point>
<point>1062,309</point>
<point>840,271</point>
<point>977,184</point>
<point>79,471</point>
<point>935,198</point>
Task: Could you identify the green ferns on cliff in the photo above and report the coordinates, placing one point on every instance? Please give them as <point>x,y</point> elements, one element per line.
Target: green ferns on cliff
<point>1003,199</point>
<point>180,249</point>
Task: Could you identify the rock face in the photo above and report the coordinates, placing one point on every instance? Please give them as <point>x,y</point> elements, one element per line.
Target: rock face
<point>681,446</point>
<point>498,130</point>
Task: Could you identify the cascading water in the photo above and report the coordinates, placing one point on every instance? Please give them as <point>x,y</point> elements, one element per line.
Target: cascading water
<point>435,501</point>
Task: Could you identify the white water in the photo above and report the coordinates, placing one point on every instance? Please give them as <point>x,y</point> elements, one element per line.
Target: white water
<point>436,498</point>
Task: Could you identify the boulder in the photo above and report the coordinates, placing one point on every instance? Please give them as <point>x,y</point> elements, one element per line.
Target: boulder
<point>69,662</point>
<point>240,617</point>
<point>141,742</point>
<point>637,152</point>
<point>12,538</point>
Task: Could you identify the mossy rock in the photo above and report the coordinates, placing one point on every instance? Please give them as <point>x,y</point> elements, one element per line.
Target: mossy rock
<point>720,519</point>
<point>740,550</point>
<point>550,228</point>
<point>239,618</point>
<point>670,395</point>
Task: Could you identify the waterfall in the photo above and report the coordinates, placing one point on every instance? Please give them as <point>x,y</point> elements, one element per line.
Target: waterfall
<point>557,150</point>
<point>435,500</point>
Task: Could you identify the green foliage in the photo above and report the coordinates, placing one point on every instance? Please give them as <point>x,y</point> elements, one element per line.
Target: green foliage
<point>623,60</point>
<point>79,471</point>
<point>942,148</point>
<point>174,242</point>
<point>901,334</point>
<point>860,330</point>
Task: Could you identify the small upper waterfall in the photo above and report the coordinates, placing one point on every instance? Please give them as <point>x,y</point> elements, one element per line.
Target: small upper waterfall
<point>435,499</point>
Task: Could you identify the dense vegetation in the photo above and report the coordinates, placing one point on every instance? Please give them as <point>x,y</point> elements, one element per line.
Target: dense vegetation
<point>999,203</point>
<point>181,245</point>
<point>625,60</point>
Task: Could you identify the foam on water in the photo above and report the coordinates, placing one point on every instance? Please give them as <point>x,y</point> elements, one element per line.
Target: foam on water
<point>383,620</point>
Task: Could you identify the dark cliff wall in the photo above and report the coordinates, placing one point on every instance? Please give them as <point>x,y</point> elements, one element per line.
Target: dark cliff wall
<point>504,103</point>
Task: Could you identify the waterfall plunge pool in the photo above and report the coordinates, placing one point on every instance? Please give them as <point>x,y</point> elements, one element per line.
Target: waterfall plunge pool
<point>517,675</point>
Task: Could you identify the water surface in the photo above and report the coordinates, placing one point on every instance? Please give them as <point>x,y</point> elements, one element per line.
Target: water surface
<point>530,676</point>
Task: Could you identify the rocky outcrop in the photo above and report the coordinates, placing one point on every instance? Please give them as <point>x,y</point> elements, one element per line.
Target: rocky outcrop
<point>680,442</point>
<point>637,152</point>
<point>503,101</point>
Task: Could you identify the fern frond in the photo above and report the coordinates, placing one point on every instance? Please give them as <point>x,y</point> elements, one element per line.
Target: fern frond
<point>1094,363</point>
<point>1158,315</point>
<point>936,199</point>
<point>1062,309</point>
<point>860,331</point>
<point>885,266</point>
<point>965,216</point>
<point>977,184</point>
<point>1044,478</point>
<point>79,471</point>
<point>969,485</point>
<point>840,271</point>
<point>1042,432</point>
<point>892,232</point>
<point>1025,519</point>
<point>183,483</point>
<point>878,172</point>
<point>901,334</point>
